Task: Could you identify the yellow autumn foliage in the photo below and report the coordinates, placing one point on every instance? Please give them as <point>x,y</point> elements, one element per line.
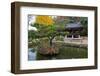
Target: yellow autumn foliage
<point>45,20</point>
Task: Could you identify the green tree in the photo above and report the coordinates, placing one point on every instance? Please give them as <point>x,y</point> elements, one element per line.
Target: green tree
<point>46,29</point>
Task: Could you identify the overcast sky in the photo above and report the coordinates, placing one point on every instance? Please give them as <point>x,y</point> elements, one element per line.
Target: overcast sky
<point>31,19</point>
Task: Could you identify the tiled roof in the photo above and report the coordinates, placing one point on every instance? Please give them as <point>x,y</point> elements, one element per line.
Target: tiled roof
<point>74,25</point>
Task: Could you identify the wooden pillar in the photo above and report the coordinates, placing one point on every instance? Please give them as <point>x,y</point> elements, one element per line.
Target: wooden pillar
<point>72,36</point>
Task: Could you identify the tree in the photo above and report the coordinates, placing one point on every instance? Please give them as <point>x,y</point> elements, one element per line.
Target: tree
<point>44,20</point>
<point>46,29</point>
<point>61,21</point>
<point>84,22</point>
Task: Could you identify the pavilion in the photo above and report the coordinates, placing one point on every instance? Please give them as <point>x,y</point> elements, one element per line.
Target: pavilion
<point>74,30</point>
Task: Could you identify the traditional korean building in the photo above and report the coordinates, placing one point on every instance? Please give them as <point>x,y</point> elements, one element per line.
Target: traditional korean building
<point>74,30</point>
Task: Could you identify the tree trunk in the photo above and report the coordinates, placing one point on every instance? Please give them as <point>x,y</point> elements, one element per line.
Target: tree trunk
<point>51,40</point>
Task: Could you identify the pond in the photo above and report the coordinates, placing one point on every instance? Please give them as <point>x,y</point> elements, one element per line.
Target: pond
<point>68,52</point>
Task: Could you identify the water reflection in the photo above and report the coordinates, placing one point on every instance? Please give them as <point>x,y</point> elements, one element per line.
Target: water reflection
<point>31,54</point>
